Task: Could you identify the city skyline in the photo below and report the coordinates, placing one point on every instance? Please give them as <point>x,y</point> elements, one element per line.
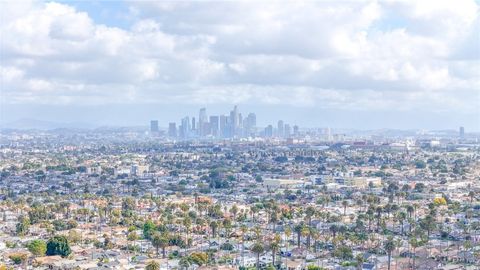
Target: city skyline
<point>365,65</point>
<point>231,125</point>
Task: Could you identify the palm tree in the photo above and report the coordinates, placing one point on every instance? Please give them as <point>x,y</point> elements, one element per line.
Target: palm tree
<point>401,216</point>
<point>389,246</point>
<point>288,233</point>
<point>187,223</point>
<point>415,243</point>
<point>160,241</point>
<point>298,229</point>
<point>309,212</point>
<point>213,227</point>
<point>244,230</point>
<point>274,246</point>
<point>234,211</point>
<point>153,265</point>
<point>344,204</point>
<point>258,249</point>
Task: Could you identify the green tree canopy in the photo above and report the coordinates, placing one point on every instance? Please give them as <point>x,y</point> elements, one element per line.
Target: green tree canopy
<point>58,245</point>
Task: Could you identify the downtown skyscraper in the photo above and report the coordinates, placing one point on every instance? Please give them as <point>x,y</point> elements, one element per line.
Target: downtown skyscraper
<point>233,125</point>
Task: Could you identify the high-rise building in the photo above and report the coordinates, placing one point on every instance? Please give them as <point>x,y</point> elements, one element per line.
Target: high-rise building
<point>193,124</point>
<point>280,129</point>
<point>252,120</point>
<point>462,132</point>
<point>172,130</point>
<point>249,124</point>
<point>295,130</point>
<point>269,131</point>
<point>154,126</point>
<point>202,119</point>
<point>184,129</point>
<point>223,126</point>
<point>214,125</point>
<point>233,121</point>
<point>287,131</point>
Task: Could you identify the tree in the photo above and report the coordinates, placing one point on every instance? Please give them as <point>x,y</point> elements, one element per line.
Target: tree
<point>22,226</point>
<point>298,229</point>
<point>18,258</point>
<point>37,247</point>
<point>258,249</point>
<point>234,211</point>
<point>148,229</point>
<point>199,258</point>
<point>160,241</point>
<point>58,245</point>
<point>389,247</point>
<point>359,260</point>
<point>274,246</point>
<point>185,263</point>
<point>152,265</point>
<point>343,252</point>
<point>345,205</point>
<point>415,243</point>
<point>420,164</point>
<point>213,227</point>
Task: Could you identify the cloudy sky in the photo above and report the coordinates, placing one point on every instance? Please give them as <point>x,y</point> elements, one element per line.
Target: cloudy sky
<point>372,64</point>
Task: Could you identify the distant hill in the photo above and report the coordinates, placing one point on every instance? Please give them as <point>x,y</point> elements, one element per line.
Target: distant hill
<point>28,123</point>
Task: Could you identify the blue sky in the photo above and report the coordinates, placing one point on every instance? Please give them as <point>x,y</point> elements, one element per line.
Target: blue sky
<point>396,64</point>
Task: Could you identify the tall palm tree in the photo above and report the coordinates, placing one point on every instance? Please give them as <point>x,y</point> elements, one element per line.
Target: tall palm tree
<point>258,249</point>
<point>389,247</point>
<point>274,246</point>
<point>244,230</point>
<point>288,233</point>
<point>415,243</point>
<point>401,216</point>
<point>160,241</point>
<point>298,229</point>
<point>213,227</point>
<point>345,205</point>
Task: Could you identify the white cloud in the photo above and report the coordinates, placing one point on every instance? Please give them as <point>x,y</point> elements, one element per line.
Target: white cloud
<point>358,55</point>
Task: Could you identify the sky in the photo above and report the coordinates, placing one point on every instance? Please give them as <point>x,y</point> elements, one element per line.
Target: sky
<point>341,64</point>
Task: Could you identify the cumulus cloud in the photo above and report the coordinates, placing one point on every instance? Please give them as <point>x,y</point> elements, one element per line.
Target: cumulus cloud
<point>370,55</point>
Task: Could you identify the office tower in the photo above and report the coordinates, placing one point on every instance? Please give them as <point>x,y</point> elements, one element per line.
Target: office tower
<point>202,119</point>
<point>233,121</point>
<point>214,126</point>
<point>181,132</point>
<point>172,130</point>
<point>462,132</point>
<point>235,116</point>
<point>185,128</point>
<point>193,124</point>
<point>280,129</point>
<point>287,131</point>
<point>295,130</point>
<point>154,126</point>
<point>206,129</point>
<point>269,131</point>
<point>223,126</point>
<point>252,120</point>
